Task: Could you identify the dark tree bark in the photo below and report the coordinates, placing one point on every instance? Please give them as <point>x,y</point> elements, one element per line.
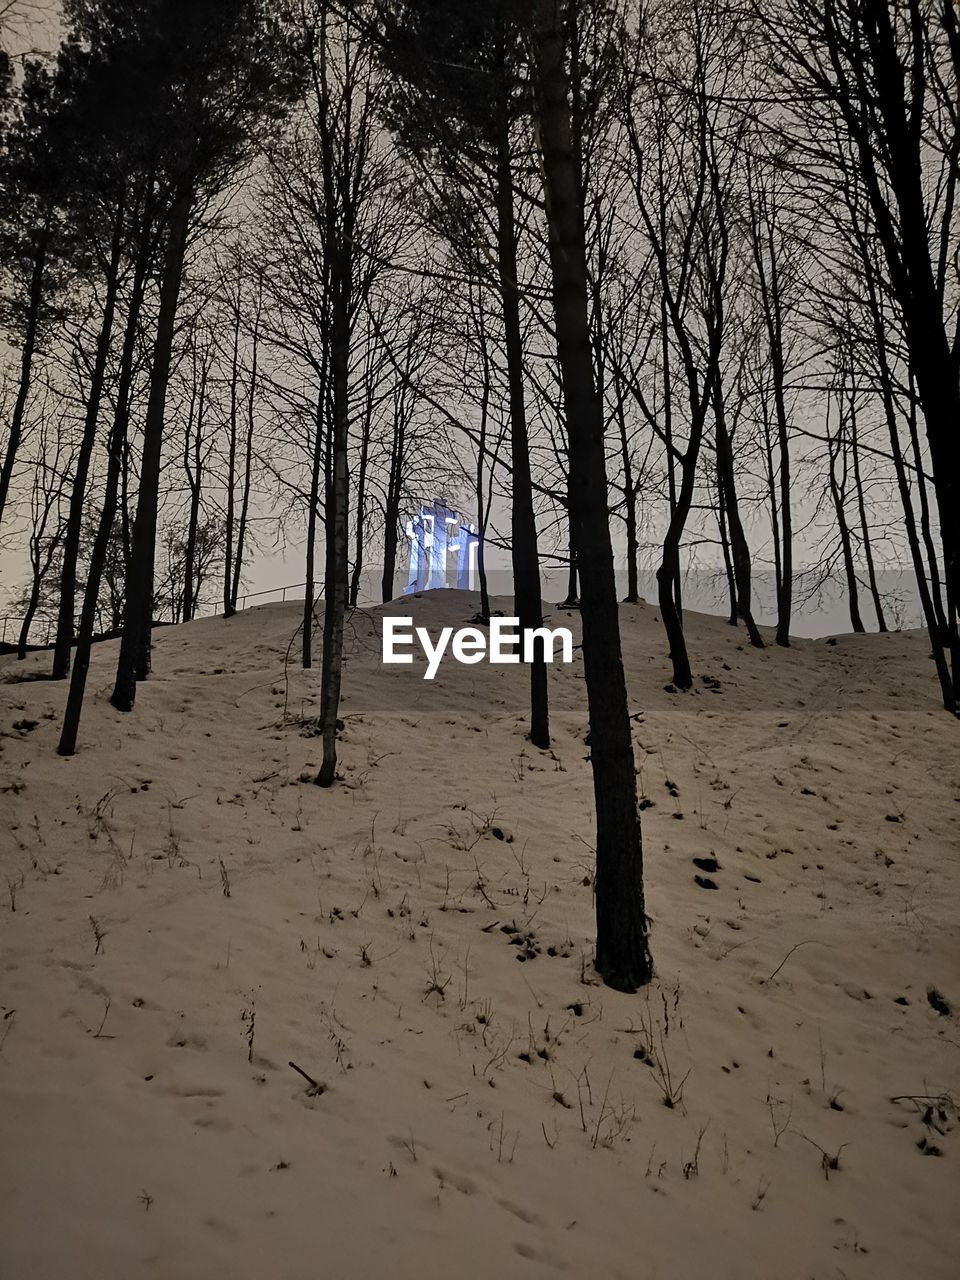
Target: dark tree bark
<point>935,362</point>
<point>926,530</point>
<point>246,486</point>
<point>343,143</point>
<point>233,575</point>
<point>739,550</point>
<point>732,616</point>
<point>337,521</point>
<point>391,505</point>
<point>313,510</point>
<point>134,660</point>
<point>27,354</point>
<point>523,546</point>
<point>229,606</point>
<point>623,954</point>
<point>43,543</point>
<point>360,517</point>
<point>193,469</point>
<point>111,495</point>
<point>837,482</point>
<point>88,440</point>
<point>629,498</point>
<point>871,64</point>
<point>482,495</point>
<point>864,520</point>
<point>572,599</point>
<point>764,244</point>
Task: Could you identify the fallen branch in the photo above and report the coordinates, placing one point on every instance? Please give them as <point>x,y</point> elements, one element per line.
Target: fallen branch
<point>315,1086</point>
<point>796,947</point>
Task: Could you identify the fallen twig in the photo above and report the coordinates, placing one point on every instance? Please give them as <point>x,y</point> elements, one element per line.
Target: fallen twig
<point>315,1086</point>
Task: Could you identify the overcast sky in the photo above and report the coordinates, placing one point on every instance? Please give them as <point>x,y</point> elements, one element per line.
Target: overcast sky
<point>33,26</point>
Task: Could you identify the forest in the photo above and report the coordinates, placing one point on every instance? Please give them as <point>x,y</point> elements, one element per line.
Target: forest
<point>662,295</point>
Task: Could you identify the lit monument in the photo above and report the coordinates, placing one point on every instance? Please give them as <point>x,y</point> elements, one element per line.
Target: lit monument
<point>443,549</point>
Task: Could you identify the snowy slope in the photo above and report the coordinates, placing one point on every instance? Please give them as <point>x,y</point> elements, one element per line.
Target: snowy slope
<point>190,916</point>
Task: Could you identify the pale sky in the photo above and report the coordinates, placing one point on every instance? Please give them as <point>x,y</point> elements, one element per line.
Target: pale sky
<point>32,26</point>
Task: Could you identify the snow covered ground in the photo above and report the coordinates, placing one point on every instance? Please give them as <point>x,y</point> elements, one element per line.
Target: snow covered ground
<point>182,916</point>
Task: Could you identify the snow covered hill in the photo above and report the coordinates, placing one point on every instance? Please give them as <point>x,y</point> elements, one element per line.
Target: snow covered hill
<point>184,915</point>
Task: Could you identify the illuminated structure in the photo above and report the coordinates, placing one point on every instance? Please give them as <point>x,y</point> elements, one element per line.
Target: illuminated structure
<point>443,549</point>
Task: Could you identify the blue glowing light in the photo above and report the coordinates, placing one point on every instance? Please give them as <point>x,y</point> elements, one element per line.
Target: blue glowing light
<point>443,549</point>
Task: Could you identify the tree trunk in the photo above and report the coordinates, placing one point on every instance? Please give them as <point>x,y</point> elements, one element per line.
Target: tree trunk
<point>28,617</point>
<point>667,576</point>
<point>864,523</point>
<point>391,509</point>
<point>78,495</point>
<point>933,619</point>
<point>739,550</point>
<point>932,361</point>
<point>629,499</point>
<point>838,496</point>
<point>27,354</point>
<point>524,554</point>
<point>390,522</point>
<point>623,954</point>
<point>108,512</point>
<point>243,520</point>
<point>572,599</point>
<point>732,618</point>
<point>337,522</point>
<point>195,482</point>
<point>668,439</point>
<point>480,492</point>
<point>228,605</point>
<point>134,660</point>
<point>359,530</point>
<point>772,304</point>
<point>313,507</point>
<point>926,528</point>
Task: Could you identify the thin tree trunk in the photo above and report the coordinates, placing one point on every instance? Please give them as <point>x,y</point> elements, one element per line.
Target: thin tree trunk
<point>864,523</point>
<point>391,506</point>
<point>926,529</point>
<point>108,513</point>
<point>524,554</point>
<point>359,530</point>
<point>773,507</point>
<point>337,524</point>
<point>27,354</point>
<point>623,953</point>
<point>629,499</point>
<point>785,591</point>
<point>195,483</point>
<point>739,550</point>
<point>725,551</point>
<point>228,605</point>
<point>88,440</point>
<point>668,440</point>
<point>772,302</point>
<point>480,491</point>
<point>242,523</point>
<point>313,507</point>
<point>933,619</point>
<point>27,623</point>
<point>134,660</point>
<point>247,455</point>
<point>572,599</point>
<point>838,496</point>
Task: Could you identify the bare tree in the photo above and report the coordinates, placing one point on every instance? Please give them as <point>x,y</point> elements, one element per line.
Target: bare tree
<point>623,955</point>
